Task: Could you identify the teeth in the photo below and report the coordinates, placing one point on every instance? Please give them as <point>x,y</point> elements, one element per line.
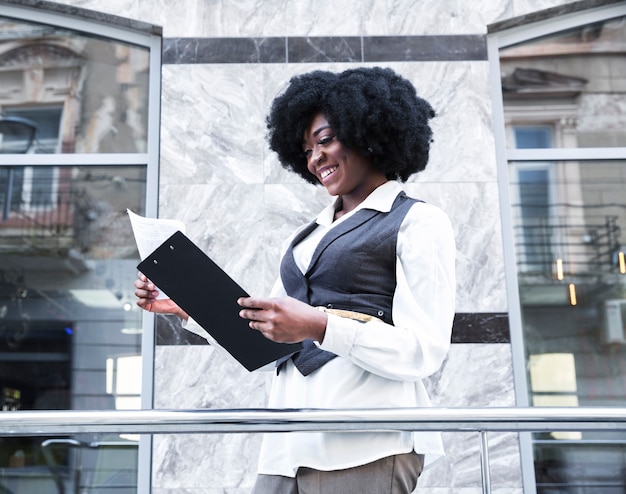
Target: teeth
<point>327,172</point>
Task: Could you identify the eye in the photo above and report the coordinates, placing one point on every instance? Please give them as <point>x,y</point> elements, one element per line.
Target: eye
<point>326,139</point>
<point>322,141</point>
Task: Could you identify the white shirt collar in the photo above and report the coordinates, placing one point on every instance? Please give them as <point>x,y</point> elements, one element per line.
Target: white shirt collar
<point>381,199</point>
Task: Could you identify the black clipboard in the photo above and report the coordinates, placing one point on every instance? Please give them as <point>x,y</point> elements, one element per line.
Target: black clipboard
<point>203,290</point>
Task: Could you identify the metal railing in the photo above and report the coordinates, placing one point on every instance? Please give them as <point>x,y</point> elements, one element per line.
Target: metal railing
<point>481,420</point>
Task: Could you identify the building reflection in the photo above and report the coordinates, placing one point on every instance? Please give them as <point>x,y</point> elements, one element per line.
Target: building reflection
<point>562,91</point>
<point>69,331</point>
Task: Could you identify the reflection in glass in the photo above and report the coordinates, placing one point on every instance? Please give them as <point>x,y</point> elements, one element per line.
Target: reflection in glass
<point>16,135</point>
<point>569,229</point>
<point>573,213</point>
<point>85,94</point>
<point>70,332</point>
<point>567,90</point>
<point>95,463</point>
<point>572,81</point>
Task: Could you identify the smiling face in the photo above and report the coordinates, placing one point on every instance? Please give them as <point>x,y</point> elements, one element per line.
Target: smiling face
<point>343,171</point>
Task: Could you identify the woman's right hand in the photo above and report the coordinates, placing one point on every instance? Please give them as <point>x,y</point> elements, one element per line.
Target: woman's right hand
<point>147,294</point>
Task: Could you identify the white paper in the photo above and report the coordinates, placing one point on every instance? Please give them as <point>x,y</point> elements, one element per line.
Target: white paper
<point>151,232</point>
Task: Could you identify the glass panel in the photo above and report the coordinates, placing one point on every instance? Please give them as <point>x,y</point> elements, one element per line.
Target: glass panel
<point>574,81</point>
<point>102,463</point>
<point>82,93</point>
<point>573,301</point>
<point>579,467</point>
<point>70,333</point>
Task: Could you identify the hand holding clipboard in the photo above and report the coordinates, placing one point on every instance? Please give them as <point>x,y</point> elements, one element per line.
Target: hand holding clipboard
<point>203,290</point>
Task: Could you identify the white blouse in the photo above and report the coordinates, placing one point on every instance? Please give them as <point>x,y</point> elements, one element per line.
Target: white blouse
<point>380,365</point>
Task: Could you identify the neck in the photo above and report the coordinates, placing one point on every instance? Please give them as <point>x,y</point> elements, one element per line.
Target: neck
<point>348,202</point>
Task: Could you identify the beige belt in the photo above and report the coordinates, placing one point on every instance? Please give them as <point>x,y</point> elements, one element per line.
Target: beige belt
<point>349,314</point>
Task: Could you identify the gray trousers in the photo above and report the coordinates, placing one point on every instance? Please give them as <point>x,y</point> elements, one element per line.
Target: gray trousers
<point>396,474</point>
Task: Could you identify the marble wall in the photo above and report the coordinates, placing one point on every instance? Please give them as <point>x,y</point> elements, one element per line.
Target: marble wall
<point>218,176</point>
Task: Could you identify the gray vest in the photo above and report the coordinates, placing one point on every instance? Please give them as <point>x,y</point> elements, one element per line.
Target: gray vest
<point>353,268</point>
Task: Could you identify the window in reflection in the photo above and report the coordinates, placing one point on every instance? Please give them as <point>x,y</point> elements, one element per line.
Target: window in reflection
<point>47,121</point>
<point>85,94</point>
<point>572,81</point>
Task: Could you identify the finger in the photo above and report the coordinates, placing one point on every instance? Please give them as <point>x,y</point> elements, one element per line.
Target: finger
<point>144,285</point>
<point>253,303</point>
<point>256,325</point>
<point>142,292</point>
<point>252,314</point>
<point>142,278</point>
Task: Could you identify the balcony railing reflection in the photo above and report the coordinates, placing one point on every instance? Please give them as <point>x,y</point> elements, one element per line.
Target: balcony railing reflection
<point>480,420</point>
<point>48,221</point>
<point>585,249</point>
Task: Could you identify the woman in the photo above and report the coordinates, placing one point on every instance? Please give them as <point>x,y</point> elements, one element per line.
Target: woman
<point>368,286</point>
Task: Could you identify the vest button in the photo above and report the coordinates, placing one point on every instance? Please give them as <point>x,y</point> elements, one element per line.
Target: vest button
<point>329,306</point>
<point>381,313</point>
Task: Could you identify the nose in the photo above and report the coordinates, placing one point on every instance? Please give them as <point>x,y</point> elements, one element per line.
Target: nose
<point>312,161</point>
<point>316,156</point>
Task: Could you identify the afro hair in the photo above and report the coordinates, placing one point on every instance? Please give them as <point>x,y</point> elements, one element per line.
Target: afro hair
<point>374,111</point>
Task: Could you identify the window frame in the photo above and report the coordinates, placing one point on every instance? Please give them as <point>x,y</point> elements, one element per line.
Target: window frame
<point>144,35</point>
<point>497,39</point>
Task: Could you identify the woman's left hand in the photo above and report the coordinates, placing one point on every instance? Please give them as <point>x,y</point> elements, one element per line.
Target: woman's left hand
<point>285,319</point>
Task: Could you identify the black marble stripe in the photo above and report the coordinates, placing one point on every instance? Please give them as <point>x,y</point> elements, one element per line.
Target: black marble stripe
<point>424,48</point>
<point>223,50</point>
<point>481,327</point>
<point>169,332</point>
<point>324,49</point>
<point>478,327</point>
